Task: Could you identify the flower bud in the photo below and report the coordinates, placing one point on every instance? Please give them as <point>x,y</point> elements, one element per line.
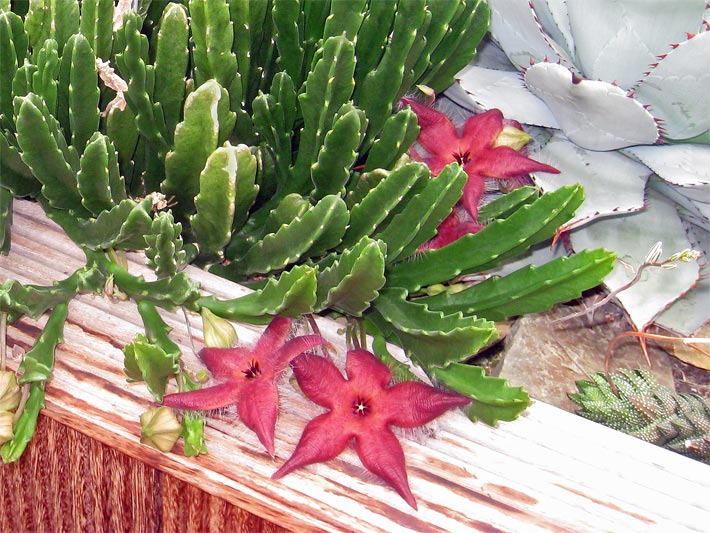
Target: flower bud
<point>6,421</point>
<point>219,332</point>
<point>160,428</point>
<point>9,391</point>
<point>512,137</point>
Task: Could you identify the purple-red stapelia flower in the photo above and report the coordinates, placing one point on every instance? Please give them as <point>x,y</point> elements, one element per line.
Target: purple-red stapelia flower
<point>362,408</point>
<point>248,378</point>
<point>475,148</point>
<point>453,227</point>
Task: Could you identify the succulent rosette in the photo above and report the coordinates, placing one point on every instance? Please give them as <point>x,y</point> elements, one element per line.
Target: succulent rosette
<point>618,93</point>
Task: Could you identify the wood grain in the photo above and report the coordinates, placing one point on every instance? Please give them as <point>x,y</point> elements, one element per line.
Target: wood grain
<point>67,481</point>
<point>548,471</point>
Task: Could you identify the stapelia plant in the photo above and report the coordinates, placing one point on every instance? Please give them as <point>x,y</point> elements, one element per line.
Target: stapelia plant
<point>248,378</point>
<point>361,408</point>
<point>620,97</point>
<point>261,140</point>
<point>476,148</point>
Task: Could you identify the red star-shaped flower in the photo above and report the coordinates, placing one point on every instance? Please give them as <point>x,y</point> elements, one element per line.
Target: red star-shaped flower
<point>455,226</point>
<point>362,408</point>
<point>248,378</point>
<point>474,148</point>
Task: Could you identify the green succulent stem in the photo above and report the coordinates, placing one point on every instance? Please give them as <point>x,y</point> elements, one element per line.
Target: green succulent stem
<point>36,368</point>
<point>260,139</point>
<point>167,292</point>
<point>156,329</point>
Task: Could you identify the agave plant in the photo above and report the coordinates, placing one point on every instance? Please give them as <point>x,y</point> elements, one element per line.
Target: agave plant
<point>618,91</point>
<point>263,140</point>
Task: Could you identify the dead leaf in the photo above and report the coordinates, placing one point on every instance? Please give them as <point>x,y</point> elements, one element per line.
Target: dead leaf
<point>123,7</point>
<point>112,81</point>
<point>687,353</point>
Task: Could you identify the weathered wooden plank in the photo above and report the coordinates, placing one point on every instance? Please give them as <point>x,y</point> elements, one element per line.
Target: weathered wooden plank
<point>549,471</point>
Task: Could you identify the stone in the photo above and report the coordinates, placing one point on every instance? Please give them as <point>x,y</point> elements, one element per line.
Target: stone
<point>547,356</point>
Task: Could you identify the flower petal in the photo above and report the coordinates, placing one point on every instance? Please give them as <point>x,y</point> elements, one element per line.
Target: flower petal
<point>318,378</point>
<point>225,362</point>
<point>320,441</point>
<point>472,193</point>
<point>273,337</point>
<point>437,164</point>
<point>450,230</point>
<point>480,131</point>
<point>367,371</point>
<point>382,455</point>
<point>258,408</point>
<point>504,162</point>
<point>214,397</point>
<point>438,135</point>
<point>280,359</point>
<point>412,404</point>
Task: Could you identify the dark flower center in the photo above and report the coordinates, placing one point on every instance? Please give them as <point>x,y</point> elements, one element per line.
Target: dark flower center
<point>361,406</point>
<point>252,370</point>
<point>462,157</point>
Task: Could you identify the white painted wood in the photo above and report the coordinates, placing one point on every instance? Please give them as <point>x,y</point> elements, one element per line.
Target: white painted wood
<point>548,471</point>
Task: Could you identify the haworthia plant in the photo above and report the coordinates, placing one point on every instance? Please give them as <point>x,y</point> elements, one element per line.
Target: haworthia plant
<point>263,140</point>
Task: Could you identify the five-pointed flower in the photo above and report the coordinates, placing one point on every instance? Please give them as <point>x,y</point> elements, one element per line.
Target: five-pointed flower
<point>248,378</point>
<point>476,148</point>
<point>362,408</point>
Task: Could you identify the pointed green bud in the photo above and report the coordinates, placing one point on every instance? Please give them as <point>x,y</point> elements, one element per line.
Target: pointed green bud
<point>160,428</point>
<point>512,137</point>
<point>219,332</point>
<point>9,391</point>
<point>6,422</point>
<point>438,288</point>
<point>202,376</point>
<point>193,433</point>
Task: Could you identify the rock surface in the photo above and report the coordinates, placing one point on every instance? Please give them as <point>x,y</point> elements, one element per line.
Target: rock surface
<point>547,356</point>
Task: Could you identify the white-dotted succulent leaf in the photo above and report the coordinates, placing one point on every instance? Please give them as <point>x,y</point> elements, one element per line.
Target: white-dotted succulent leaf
<point>677,89</point>
<point>617,41</point>
<point>613,184</point>
<point>503,90</point>
<point>658,288</point>
<point>593,114</point>
<point>515,26</point>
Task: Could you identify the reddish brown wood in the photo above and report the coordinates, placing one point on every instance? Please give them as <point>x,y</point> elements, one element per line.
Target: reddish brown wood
<point>67,481</point>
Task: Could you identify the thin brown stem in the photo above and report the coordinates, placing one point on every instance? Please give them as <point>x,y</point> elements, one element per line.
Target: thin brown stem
<point>189,331</point>
<point>3,340</point>
<point>645,336</point>
<point>612,294</point>
<point>24,396</point>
